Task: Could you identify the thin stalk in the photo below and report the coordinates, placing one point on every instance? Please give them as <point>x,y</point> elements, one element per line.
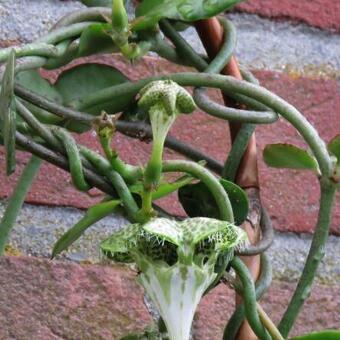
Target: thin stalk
<point>29,63</point>
<point>38,127</point>
<point>269,324</point>
<point>231,114</point>
<point>166,51</point>
<point>267,237</point>
<point>226,49</point>
<point>220,60</point>
<point>116,179</point>
<point>315,255</point>
<point>142,130</point>
<point>152,176</point>
<point>64,33</point>
<point>261,286</point>
<point>17,199</point>
<point>49,105</point>
<point>47,135</point>
<point>100,14</point>
<point>73,155</point>
<point>129,172</point>
<point>199,172</point>
<point>243,138</point>
<point>54,37</point>
<point>237,151</point>
<point>249,298</point>
<point>185,50</point>
<point>229,85</point>
<point>248,75</point>
<point>34,49</point>
<point>248,102</point>
<point>62,162</point>
<point>68,51</point>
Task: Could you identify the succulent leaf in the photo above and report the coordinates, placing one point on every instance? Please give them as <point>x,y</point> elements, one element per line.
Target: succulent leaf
<point>149,12</point>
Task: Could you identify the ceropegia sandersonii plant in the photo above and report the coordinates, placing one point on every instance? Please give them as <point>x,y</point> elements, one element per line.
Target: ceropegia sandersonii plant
<point>176,262</point>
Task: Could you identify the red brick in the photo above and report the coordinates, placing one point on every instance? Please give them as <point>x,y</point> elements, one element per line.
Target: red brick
<point>324,14</point>
<point>291,197</point>
<point>43,300</point>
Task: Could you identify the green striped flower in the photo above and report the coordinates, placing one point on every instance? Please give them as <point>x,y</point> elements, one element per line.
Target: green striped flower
<point>177,261</point>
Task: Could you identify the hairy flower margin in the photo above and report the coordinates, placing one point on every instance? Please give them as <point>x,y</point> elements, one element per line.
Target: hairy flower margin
<point>177,262</point>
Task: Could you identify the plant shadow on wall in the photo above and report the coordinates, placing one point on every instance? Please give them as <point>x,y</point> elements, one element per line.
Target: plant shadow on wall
<point>178,260</point>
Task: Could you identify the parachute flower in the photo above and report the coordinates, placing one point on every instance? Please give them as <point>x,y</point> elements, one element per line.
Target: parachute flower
<point>177,261</point>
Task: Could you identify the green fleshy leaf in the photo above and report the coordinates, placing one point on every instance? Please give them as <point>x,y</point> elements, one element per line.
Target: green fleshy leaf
<point>97,3</point>
<point>197,200</point>
<point>323,335</point>
<point>93,215</point>
<point>334,147</point>
<point>288,156</point>
<point>149,12</point>
<point>33,81</point>
<point>82,80</point>
<point>7,113</point>
<point>96,39</point>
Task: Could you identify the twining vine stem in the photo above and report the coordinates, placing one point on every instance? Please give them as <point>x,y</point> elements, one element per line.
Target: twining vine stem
<point>55,49</point>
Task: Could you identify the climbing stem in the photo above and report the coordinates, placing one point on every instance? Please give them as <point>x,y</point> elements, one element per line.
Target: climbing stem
<point>17,199</point>
<point>35,49</point>
<point>237,151</point>
<point>129,172</point>
<point>315,255</point>
<point>86,14</point>
<point>198,171</point>
<point>116,179</point>
<point>62,162</point>
<point>269,324</point>
<point>261,286</point>
<point>63,33</point>
<point>229,85</point>
<point>182,47</point>
<point>227,48</point>
<point>249,298</point>
<point>231,114</point>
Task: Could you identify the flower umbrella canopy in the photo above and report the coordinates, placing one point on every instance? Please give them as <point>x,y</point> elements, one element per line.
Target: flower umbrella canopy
<point>177,262</point>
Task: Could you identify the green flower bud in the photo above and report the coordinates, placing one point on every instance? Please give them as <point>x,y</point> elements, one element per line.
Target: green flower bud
<point>120,20</point>
<point>164,100</point>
